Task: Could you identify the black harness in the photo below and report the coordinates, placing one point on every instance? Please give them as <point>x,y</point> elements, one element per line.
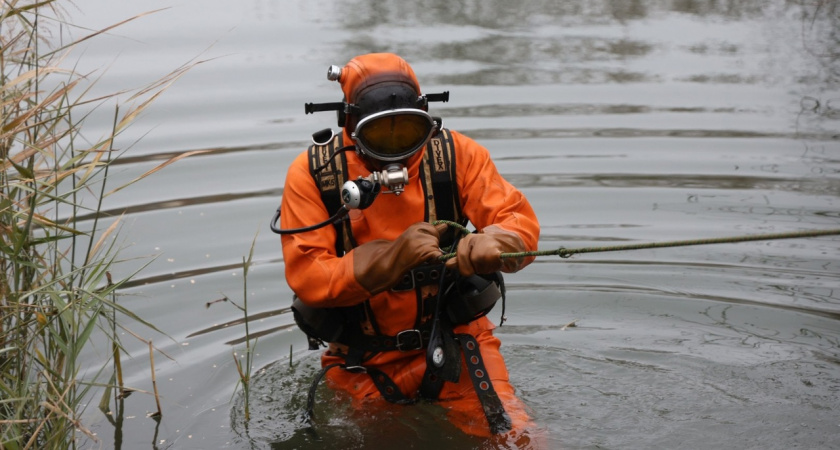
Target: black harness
<point>459,300</point>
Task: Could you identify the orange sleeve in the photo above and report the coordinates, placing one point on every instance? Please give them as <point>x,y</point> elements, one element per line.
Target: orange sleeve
<point>488,199</point>
<point>313,270</point>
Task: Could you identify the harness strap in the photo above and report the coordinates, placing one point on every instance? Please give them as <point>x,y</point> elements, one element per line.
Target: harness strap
<point>404,341</point>
<point>494,411</point>
<point>424,275</point>
<point>430,388</point>
<point>442,340</point>
<point>431,385</point>
<point>438,179</point>
<point>389,390</point>
<point>441,155</point>
<point>330,179</point>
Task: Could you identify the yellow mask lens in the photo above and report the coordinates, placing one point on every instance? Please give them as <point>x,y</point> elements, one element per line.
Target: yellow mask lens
<point>394,134</point>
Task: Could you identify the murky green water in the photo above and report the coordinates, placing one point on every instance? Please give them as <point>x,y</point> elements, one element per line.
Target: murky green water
<point>622,121</point>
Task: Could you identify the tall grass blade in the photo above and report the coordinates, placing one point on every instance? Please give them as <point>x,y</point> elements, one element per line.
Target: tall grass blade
<point>56,295</point>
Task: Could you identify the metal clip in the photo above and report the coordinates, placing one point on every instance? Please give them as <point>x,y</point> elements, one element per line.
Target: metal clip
<point>404,338</point>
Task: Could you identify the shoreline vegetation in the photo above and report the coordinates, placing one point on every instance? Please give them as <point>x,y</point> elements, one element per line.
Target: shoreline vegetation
<point>56,286</point>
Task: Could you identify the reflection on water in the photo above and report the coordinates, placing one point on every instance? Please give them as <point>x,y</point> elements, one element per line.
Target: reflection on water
<point>574,42</point>
<point>624,121</point>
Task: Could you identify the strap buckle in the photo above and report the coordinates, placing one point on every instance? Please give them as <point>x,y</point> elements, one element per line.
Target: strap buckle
<point>408,340</point>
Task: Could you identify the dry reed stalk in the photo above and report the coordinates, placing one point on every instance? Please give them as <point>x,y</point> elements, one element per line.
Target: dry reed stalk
<point>159,413</point>
<point>51,302</point>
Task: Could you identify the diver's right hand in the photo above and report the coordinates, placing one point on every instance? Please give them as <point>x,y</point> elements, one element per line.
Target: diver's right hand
<point>379,265</point>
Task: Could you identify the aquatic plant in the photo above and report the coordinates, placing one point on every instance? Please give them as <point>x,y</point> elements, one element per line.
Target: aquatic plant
<point>244,368</point>
<point>57,249</point>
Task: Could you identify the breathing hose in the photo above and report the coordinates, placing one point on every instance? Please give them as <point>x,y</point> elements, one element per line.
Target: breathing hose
<point>335,218</point>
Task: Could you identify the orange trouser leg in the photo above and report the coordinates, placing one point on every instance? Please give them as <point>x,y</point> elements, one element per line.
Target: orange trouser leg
<point>460,400</point>
<point>463,405</point>
<point>407,373</point>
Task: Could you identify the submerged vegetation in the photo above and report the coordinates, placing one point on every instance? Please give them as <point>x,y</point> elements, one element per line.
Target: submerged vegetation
<point>56,288</point>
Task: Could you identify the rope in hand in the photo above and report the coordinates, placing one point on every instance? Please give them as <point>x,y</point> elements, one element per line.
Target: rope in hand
<point>568,252</point>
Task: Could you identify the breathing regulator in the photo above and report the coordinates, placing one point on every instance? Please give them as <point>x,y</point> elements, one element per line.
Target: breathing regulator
<point>356,194</point>
<point>360,193</point>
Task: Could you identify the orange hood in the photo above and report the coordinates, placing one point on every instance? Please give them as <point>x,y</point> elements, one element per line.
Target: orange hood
<point>365,71</point>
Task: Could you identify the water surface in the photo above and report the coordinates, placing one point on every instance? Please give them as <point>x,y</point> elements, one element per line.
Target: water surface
<point>622,121</point>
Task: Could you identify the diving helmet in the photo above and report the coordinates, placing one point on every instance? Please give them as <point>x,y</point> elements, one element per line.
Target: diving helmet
<point>383,111</point>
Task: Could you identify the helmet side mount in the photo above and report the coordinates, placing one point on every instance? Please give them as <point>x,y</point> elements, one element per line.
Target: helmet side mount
<point>344,109</point>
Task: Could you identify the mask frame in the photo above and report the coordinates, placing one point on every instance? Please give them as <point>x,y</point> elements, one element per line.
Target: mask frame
<point>366,149</point>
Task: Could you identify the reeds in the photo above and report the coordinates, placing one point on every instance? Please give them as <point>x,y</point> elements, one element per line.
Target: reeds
<point>244,368</point>
<point>55,286</point>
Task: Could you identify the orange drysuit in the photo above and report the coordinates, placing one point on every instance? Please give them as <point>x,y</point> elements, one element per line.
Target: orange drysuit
<point>321,278</point>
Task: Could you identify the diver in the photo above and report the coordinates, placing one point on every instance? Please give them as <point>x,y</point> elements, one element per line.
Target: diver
<point>364,259</point>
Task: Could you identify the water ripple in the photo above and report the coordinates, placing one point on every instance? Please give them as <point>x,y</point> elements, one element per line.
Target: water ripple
<point>670,294</point>
<point>693,181</point>
<point>557,133</point>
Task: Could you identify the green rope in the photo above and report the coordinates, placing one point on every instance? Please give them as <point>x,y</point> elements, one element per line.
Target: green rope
<point>567,252</point>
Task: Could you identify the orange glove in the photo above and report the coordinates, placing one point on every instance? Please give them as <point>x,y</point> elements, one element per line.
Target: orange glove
<point>479,252</point>
<point>378,265</point>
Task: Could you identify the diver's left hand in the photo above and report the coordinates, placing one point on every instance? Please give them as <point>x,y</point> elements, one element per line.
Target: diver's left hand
<point>478,253</point>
